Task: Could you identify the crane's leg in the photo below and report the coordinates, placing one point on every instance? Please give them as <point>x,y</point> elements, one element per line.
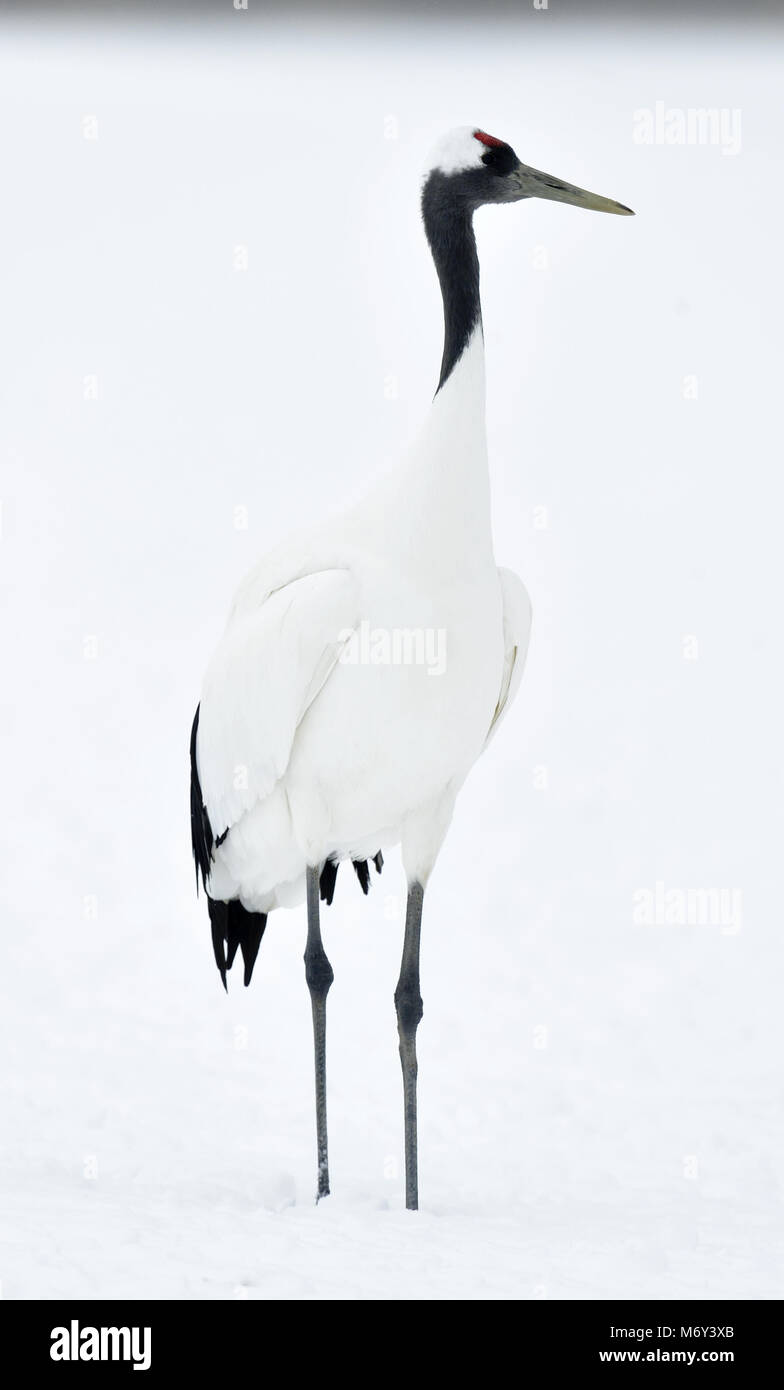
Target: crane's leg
<point>408,1002</point>
<point>319,975</point>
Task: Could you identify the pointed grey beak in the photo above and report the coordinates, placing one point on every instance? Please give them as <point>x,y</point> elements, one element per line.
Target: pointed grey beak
<point>533,183</point>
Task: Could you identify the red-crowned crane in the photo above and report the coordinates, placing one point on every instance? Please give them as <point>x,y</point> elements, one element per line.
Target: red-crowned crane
<point>367,662</point>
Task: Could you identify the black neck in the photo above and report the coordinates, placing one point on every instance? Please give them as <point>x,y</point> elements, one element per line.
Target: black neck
<point>450,233</point>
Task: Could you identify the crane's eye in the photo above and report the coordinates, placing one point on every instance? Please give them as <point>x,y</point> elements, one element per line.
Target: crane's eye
<point>497,155</point>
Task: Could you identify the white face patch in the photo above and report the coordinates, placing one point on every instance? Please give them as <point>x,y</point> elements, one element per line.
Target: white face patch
<point>456,151</point>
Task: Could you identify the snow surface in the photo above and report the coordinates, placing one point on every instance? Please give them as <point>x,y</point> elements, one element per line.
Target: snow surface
<point>601,1102</point>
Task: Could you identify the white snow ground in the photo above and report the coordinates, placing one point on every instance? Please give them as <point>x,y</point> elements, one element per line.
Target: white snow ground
<point>601,1101</point>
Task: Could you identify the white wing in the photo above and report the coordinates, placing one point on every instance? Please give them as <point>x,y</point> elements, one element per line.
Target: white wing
<point>271,664</point>
<point>517,632</point>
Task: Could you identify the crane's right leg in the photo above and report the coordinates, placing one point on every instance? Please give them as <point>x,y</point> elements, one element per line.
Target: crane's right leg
<point>319,975</point>
<point>408,1002</point>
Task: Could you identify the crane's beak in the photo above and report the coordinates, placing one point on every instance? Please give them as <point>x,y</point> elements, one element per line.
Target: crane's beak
<point>532,183</point>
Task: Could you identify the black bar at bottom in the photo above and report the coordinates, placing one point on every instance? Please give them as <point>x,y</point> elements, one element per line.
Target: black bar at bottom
<point>165,1338</point>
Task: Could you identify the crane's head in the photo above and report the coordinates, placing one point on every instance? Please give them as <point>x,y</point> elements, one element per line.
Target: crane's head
<point>474,168</point>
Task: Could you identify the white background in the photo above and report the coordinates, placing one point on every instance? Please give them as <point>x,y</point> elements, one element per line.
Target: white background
<point>157,1137</point>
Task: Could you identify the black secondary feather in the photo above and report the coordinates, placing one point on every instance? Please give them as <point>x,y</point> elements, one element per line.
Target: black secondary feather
<point>235,928</point>
<point>363,873</point>
<point>327,881</point>
<point>329,874</point>
<point>201,831</point>
<point>251,928</point>
<point>233,936</point>
<point>219,919</point>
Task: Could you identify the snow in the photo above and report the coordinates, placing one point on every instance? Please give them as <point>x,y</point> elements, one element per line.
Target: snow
<point>601,1105</point>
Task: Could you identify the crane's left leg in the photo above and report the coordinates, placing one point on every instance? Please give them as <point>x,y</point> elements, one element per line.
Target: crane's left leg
<point>408,1003</point>
<point>319,975</point>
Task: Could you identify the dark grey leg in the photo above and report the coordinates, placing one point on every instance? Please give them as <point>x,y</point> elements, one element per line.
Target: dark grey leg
<point>408,1002</point>
<point>319,975</point>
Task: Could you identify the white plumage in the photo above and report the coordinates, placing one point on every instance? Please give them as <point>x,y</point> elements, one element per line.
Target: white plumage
<point>303,756</point>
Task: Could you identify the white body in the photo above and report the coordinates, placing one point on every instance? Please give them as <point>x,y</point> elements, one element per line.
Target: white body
<point>303,756</point>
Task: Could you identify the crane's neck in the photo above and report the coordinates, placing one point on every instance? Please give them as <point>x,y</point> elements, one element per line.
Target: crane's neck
<point>443,487</point>
<point>450,234</point>
<point>433,512</point>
